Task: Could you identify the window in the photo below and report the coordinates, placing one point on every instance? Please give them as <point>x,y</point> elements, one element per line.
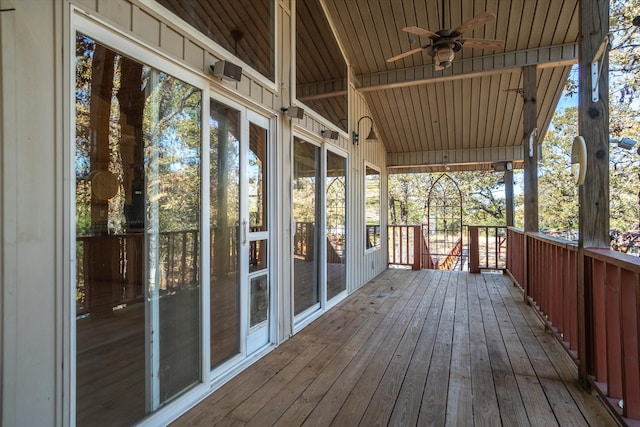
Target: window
<point>243,27</point>
<point>372,207</point>
<point>321,71</point>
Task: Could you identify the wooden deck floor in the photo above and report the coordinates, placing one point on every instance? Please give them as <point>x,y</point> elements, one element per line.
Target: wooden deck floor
<point>435,349</point>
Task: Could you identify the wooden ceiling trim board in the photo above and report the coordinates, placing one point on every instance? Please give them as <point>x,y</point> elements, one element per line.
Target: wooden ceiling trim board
<point>514,105</point>
<point>458,101</point>
<point>466,114</point>
<point>492,108</point>
<point>408,120</point>
<point>475,111</point>
<point>537,24</point>
<point>348,26</point>
<point>454,135</point>
<point>411,99</point>
<point>439,115</point>
<point>400,120</point>
<point>387,37</point>
<point>385,124</point>
<point>366,32</point>
<point>510,61</point>
<point>393,15</point>
<point>483,99</point>
<point>507,97</point>
<point>555,10</point>
<point>512,23</point>
<point>480,155</point>
<point>573,24</point>
<point>423,93</point>
<point>526,25</point>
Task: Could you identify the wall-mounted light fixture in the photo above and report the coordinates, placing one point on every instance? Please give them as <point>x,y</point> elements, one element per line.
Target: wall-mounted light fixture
<point>502,166</point>
<point>626,143</point>
<point>226,71</point>
<point>293,112</point>
<point>329,134</point>
<point>355,136</point>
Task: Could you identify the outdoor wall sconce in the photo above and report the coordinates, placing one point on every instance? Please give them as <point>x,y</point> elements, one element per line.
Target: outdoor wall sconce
<point>226,70</point>
<point>579,160</point>
<point>330,134</point>
<point>626,143</point>
<point>355,136</point>
<point>502,166</point>
<point>293,112</point>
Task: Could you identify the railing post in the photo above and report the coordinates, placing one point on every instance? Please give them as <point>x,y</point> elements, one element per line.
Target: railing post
<point>474,255</point>
<point>417,248</point>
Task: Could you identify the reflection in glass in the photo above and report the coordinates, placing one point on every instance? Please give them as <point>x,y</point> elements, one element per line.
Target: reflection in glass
<point>257,174</point>
<point>372,207</point>
<point>243,27</point>
<point>257,255</point>
<point>225,226</point>
<point>259,300</point>
<point>137,176</point>
<point>336,185</point>
<point>321,71</point>
<point>306,171</point>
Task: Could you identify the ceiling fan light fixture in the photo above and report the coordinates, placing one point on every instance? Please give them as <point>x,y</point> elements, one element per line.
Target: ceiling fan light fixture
<point>443,57</point>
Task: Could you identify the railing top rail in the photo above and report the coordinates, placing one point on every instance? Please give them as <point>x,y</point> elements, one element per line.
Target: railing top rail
<point>515,229</point>
<point>619,259</point>
<point>556,241</point>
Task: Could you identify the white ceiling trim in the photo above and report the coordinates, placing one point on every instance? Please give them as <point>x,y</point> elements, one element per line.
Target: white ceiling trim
<point>544,57</point>
<point>453,157</point>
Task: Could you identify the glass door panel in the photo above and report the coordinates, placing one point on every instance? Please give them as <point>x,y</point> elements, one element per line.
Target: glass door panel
<point>257,272</point>
<point>137,219</point>
<point>336,203</point>
<point>225,228</point>
<point>306,214</point>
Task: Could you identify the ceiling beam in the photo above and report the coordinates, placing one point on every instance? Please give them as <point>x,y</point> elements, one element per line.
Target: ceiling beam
<point>456,157</point>
<point>544,57</point>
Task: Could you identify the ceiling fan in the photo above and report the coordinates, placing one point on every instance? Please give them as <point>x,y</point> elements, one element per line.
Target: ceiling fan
<point>446,42</point>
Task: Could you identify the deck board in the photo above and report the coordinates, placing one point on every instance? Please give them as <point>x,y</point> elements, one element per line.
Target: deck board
<point>412,348</point>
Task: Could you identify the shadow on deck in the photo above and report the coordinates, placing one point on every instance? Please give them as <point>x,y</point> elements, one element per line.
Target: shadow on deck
<point>413,348</point>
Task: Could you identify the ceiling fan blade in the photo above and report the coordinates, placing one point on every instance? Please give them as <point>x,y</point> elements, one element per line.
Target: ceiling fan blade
<point>405,54</point>
<point>420,32</point>
<point>474,22</point>
<point>482,43</point>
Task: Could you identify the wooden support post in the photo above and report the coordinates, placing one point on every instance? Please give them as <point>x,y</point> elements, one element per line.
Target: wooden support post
<point>417,247</point>
<point>530,113</point>
<point>508,195</point>
<point>593,195</point>
<point>474,250</point>
<point>593,124</point>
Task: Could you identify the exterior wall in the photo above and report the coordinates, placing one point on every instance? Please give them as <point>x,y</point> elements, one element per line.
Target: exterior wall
<point>35,183</point>
<point>31,183</point>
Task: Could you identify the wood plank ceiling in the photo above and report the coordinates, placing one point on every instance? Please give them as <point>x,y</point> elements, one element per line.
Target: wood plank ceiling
<point>469,115</point>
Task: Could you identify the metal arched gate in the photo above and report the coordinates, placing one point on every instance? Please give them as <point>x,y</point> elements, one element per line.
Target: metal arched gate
<point>443,233</point>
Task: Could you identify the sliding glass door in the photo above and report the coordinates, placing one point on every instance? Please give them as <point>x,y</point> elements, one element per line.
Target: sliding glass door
<point>137,219</point>
<point>144,237</point>
<point>319,216</point>
<point>239,278</point>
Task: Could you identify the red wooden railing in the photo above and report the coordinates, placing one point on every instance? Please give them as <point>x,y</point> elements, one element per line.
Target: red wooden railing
<point>591,301</point>
<point>406,245</point>
<point>487,247</point>
<point>109,270</point>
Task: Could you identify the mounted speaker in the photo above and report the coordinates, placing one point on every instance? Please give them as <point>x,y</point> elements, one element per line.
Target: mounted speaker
<point>227,71</point>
